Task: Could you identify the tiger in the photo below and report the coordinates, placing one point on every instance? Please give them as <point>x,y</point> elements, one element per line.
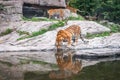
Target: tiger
<point>67,68</point>
<point>72,33</point>
<point>56,12</point>
<point>74,10</point>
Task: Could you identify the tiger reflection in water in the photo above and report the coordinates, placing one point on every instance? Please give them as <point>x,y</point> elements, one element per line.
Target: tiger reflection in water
<point>67,67</point>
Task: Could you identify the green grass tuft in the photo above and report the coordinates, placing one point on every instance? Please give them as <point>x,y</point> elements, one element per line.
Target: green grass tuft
<point>23,32</point>
<point>115,28</point>
<point>6,63</point>
<point>37,19</point>
<point>42,31</point>
<point>76,18</point>
<point>7,31</point>
<point>97,35</point>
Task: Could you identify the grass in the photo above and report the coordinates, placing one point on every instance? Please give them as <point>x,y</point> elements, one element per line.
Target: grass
<point>23,32</point>
<point>42,31</point>
<point>47,19</point>
<point>6,63</point>
<point>7,31</point>
<point>76,18</point>
<point>37,19</point>
<point>97,35</point>
<point>115,28</point>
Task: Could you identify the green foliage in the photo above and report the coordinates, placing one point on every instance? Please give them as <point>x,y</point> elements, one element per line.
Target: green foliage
<point>23,32</point>
<point>76,18</point>
<point>113,27</point>
<point>97,35</point>
<point>7,31</point>
<point>107,9</point>
<point>6,63</point>
<point>56,25</point>
<point>36,19</point>
<point>38,32</point>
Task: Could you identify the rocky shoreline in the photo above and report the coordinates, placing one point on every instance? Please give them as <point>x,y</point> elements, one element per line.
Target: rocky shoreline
<point>98,46</point>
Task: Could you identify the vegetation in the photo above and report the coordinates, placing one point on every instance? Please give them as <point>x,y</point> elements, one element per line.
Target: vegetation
<point>36,19</point>
<point>6,63</point>
<point>47,19</point>
<point>7,31</point>
<point>106,9</point>
<point>76,18</point>
<point>113,27</point>
<point>42,31</point>
<point>97,35</point>
<point>23,32</point>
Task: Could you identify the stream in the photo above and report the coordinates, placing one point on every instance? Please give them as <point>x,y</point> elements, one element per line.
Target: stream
<point>57,65</point>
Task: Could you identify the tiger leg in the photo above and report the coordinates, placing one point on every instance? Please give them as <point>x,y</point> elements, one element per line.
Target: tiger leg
<point>69,42</point>
<point>69,57</point>
<point>83,39</point>
<point>50,16</point>
<point>76,39</point>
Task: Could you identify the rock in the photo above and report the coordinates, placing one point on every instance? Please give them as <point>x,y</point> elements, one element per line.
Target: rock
<point>99,46</point>
<point>31,26</point>
<point>59,3</point>
<point>12,10</point>
<point>90,27</point>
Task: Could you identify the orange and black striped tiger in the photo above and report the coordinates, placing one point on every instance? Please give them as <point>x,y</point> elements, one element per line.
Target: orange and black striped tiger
<point>72,33</point>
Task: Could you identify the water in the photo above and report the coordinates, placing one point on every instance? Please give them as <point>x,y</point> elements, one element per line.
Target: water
<point>61,65</point>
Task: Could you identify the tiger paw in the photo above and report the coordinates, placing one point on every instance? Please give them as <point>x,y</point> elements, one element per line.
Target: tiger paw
<point>68,46</point>
<point>74,44</point>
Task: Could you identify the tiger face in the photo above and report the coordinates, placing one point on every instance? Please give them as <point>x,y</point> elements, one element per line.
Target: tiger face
<point>70,34</point>
<point>56,12</point>
<point>63,35</point>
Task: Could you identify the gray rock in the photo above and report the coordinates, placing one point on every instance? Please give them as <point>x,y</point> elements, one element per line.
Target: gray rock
<point>98,46</point>
<point>90,27</point>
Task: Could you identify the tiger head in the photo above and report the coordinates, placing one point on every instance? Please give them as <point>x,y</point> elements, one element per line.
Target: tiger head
<point>59,39</point>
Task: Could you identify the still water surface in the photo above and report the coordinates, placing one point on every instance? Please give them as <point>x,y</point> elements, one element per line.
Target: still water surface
<point>65,66</point>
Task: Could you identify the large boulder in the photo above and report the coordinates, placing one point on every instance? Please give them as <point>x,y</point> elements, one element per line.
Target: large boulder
<point>12,10</point>
<point>58,3</point>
